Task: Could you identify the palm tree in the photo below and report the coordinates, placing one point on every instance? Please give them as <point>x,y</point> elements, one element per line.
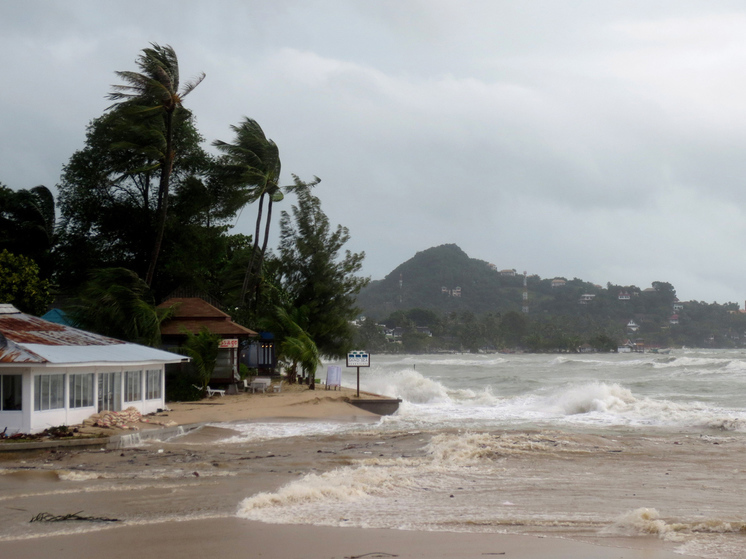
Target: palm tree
<point>116,302</point>
<point>202,348</point>
<point>297,346</point>
<point>253,160</point>
<point>152,96</point>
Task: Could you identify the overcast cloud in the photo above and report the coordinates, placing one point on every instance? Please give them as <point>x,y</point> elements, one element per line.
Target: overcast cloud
<point>598,140</point>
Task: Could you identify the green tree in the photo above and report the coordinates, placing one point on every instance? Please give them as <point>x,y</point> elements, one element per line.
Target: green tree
<point>21,286</point>
<point>115,302</point>
<point>148,103</point>
<point>252,162</point>
<point>108,199</point>
<point>296,346</point>
<point>202,349</point>
<point>315,275</point>
<point>370,337</point>
<point>27,224</point>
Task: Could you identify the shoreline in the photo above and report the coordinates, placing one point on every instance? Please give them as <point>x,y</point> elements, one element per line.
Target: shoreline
<point>234,538</point>
<point>192,511</point>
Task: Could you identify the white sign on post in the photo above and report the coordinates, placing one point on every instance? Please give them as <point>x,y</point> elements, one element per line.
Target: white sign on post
<point>358,359</point>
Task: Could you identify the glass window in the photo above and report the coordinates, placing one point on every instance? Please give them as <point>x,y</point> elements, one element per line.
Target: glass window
<point>49,392</point>
<point>81,390</point>
<point>132,386</point>
<point>10,392</point>
<point>109,391</point>
<point>153,384</point>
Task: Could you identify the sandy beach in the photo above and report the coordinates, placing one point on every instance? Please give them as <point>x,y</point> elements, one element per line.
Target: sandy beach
<point>179,498</point>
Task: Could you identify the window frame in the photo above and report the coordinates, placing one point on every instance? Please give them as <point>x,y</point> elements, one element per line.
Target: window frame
<point>19,380</point>
<point>45,398</point>
<point>132,386</point>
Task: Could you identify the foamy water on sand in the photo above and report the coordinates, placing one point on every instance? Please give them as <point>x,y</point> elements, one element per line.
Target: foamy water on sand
<point>536,443</point>
<point>595,448</point>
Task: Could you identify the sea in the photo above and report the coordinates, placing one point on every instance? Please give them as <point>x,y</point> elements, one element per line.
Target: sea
<point>589,446</point>
<point>585,446</point>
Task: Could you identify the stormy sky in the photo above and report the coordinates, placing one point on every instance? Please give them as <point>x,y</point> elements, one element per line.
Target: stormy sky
<point>599,140</point>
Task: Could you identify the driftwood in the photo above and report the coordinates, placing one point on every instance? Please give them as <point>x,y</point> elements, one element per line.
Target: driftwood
<point>47,517</point>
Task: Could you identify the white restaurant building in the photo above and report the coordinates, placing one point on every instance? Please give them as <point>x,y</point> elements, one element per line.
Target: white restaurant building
<point>52,374</point>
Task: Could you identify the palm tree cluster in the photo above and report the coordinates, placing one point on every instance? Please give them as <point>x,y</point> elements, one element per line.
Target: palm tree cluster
<point>145,211</point>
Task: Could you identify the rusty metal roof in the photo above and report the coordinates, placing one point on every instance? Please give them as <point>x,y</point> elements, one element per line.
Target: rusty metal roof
<point>28,339</point>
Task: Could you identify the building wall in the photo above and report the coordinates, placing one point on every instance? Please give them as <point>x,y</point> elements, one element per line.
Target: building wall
<point>29,420</point>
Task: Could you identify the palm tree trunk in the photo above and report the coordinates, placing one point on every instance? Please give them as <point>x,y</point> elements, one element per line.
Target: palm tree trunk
<point>166,167</point>
<point>254,250</point>
<point>258,286</point>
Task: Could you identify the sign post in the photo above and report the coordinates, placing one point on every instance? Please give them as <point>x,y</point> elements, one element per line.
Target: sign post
<point>358,359</point>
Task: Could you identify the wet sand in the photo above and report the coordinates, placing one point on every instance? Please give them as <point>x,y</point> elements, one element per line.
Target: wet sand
<point>179,499</point>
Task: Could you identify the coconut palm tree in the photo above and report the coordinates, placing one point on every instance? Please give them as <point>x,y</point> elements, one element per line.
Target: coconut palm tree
<point>253,160</point>
<point>297,347</point>
<point>202,348</point>
<point>148,101</point>
<point>116,302</point>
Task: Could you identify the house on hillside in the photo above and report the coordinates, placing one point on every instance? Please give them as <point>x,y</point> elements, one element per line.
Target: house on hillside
<point>53,374</point>
<point>558,282</point>
<point>509,273</point>
<point>192,314</point>
<point>586,298</point>
<point>624,296</point>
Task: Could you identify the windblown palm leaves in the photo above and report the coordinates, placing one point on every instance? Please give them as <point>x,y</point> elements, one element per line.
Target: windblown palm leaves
<point>116,302</point>
<point>297,346</point>
<point>202,348</point>
<point>253,160</point>
<point>146,103</point>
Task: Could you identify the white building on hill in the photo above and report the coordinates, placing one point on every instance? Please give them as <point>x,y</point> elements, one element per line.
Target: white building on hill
<point>52,374</point>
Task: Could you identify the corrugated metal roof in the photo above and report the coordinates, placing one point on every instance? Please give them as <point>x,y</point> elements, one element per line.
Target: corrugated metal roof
<point>28,339</point>
<point>119,353</point>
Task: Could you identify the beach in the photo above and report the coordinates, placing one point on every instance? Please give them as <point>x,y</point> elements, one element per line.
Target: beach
<point>187,496</point>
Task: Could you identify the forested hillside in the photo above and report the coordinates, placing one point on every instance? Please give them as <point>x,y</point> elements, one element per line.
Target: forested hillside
<point>467,303</point>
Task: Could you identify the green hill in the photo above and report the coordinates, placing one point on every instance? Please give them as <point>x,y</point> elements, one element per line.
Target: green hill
<point>446,281</point>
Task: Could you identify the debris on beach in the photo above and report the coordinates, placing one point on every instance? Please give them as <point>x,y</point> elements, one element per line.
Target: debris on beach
<point>122,419</point>
<point>47,517</point>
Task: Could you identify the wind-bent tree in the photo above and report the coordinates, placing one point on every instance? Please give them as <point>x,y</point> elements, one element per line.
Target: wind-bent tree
<point>296,345</point>
<point>148,102</point>
<point>253,162</point>
<point>108,198</point>
<point>116,302</point>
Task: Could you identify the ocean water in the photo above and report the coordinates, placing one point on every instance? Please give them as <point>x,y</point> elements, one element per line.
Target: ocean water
<point>586,446</point>
<point>592,447</point>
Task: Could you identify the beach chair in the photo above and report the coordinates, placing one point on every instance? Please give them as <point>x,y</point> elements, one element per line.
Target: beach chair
<point>210,391</point>
<point>277,387</point>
